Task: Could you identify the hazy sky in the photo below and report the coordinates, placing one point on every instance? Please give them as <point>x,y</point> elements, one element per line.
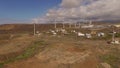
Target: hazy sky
<point>45,11</point>
<point>24,10</point>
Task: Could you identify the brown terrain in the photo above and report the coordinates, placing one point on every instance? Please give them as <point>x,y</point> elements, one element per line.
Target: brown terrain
<point>20,49</point>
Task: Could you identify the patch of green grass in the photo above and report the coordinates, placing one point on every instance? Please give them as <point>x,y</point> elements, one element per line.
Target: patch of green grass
<point>107,37</point>
<point>1,65</point>
<point>112,58</point>
<point>29,52</point>
<point>118,35</point>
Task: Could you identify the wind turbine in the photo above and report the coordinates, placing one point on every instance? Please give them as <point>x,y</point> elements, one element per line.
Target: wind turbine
<point>79,24</point>
<point>75,24</point>
<point>55,24</point>
<point>34,24</point>
<point>90,23</point>
<point>113,35</point>
<point>63,25</point>
<point>70,25</point>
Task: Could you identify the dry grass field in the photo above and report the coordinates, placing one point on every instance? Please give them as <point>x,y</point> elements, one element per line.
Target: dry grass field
<point>20,49</point>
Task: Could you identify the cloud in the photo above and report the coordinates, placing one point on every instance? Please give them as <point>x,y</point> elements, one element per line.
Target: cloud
<point>76,10</point>
<point>70,3</point>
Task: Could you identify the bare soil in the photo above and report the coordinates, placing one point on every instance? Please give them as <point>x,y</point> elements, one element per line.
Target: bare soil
<point>65,52</point>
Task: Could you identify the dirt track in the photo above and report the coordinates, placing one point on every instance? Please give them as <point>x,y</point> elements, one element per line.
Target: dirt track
<point>65,52</point>
<point>61,52</point>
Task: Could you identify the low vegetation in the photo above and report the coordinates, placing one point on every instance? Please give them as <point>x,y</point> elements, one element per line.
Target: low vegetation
<point>29,52</point>
<point>95,44</point>
<point>112,58</point>
<point>118,35</point>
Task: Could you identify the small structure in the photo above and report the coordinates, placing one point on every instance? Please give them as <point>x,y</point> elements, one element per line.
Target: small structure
<point>93,32</point>
<point>115,42</point>
<point>57,30</point>
<point>90,25</point>
<point>53,32</point>
<point>81,34</point>
<point>101,34</point>
<point>88,35</point>
<point>87,26</point>
<point>64,31</point>
<point>38,33</point>
<point>117,25</point>
<point>73,31</point>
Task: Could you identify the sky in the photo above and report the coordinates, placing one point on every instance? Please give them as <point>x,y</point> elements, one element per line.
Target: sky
<point>13,11</point>
<point>83,10</point>
<point>50,11</point>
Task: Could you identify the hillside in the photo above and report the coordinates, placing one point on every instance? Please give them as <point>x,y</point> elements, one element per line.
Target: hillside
<point>20,49</point>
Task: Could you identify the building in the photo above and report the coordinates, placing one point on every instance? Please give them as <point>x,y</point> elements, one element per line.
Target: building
<point>87,26</point>
<point>117,25</point>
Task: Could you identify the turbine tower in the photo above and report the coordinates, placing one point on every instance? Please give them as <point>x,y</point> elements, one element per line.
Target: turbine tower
<point>55,24</point>
<point>70,25</point>
<point>34,24</point>
<point>113,35</point>
<point>63,25</point>
<point>90,23</point>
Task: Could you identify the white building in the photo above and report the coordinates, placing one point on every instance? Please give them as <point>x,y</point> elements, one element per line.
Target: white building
<point>117,25</point>
<point>81,34</point>
<point>87,26</point>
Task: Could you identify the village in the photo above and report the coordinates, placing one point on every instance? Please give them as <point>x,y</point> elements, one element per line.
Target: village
<point>86,30</point>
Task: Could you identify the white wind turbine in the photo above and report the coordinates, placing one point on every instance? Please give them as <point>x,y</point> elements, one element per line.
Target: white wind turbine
<point>63,25</point>
<point>34,24</point>
<point>55,23</point>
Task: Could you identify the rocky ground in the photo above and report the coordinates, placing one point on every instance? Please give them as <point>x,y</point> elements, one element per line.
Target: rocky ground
<point>67,52</point>
<point>20,49</point>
